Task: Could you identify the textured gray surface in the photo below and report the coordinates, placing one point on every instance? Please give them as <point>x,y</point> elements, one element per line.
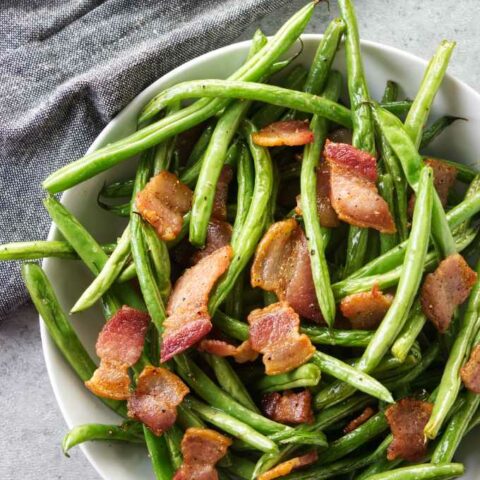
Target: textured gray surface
<point>31,426</point>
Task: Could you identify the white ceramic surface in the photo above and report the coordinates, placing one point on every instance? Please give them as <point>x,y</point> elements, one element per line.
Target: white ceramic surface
<point>460,143</point>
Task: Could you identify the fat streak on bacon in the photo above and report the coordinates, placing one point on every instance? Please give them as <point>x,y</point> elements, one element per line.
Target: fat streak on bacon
<point>119,346</point>
<point>188,317</point>
<point>274,332</point>
<point>285,133</point>
<point>353,193</point>
<point>445,289</point>
<point>291,408</point>
<point>163,203</point>
<point>284,468</point>
<point>201,448</point>
<point>365,310</point>
<point>282,265</point>
<point>156,397</point>
<point>241,353</point>
<point>407,419</point>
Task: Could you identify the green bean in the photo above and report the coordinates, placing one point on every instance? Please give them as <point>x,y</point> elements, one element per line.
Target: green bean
<point>89,432</point>
<point>418,113</point>
<point>230,326</point>
<point>328,417</point>
<point>307,375</point>
<point>363,128</point>
<point>118,189</point>
<point>107,275</point>
<point>106,157</point>
<point>230,382</point>
<point>173,438</point>
<point>159,456</point>
<point>271,94</point>
<point>308,189</point>
<point>160,259</point>
<point>122,210</point>
<point>128,273</point>
<point>200,146</point>
<point>398,108</point>
<point>451,381</point>
<point>351,376</point>
<point>148,285</point>
<point>390,93</point>
<point>212,163</point>
<point>165,152</point>
<point>424,471</point>
<point>338,338</point>
<point>186,418</point>
<point>271,113</point>
<point>216,397</point>
<point>456,429</point>
<point>412,164</point>
<point>231,425</point>
<point>241,467</point>
<point>380,466</point>
<point>455,217</point>
<point>37,249</point>
<point>407,288</point>
<point>373,427</point>
<point>59,328</point>
<point>385,186</point>
<point>89,251</point>
<point>437,127</point>
<point>253,227</point>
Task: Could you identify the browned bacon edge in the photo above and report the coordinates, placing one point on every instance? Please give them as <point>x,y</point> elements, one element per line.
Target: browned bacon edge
<point>290,133</point>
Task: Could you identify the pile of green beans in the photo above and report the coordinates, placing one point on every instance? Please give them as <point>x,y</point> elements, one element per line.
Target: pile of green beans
<point>350,369</point>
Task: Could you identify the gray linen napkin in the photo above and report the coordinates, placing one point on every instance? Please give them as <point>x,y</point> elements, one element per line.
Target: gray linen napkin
<point>66,68</point>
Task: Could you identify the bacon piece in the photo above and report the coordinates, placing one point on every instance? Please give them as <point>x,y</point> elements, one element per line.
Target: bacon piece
<point>219,210</point>
<point>155,400</point>
<point>289,407</point>
<point>242,353</point>
<point>341,135</point>
<point>274,332</point>
<point>446,288</point>
<point>282,265</point>
<point>352,159</point>
<point>407,419</point>
<point>163,203</point>
<point>188,318</point>
<point>287,467</point>
<point>326,214</point>
<point>219,234</point>
<point>360,420</point>
<point>470,372</point>
<point>290,133</point>
<point>353,193</point>
<point>444,177</point>
<point>202,448</point>
<point>366,310</point>
<point>119,346</point>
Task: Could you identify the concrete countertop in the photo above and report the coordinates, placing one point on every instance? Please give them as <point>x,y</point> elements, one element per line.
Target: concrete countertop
<point>32,426</point>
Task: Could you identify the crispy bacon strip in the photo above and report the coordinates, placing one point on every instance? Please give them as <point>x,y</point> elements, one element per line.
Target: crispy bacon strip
<point>219,210</point>
<point>290,407</point>
<point>289,466</point>
<point>202,448</point>
<point>290,133</point>
<point>444,177</point>
<point>366,310</point>
<point>282,265</point>
<point>274,332</point>
<point>326,214</point>
<point>119,346</point>
<point>407,419</point>
<point>155,400</point>
<point>353,193</point>
<point>445,289</point>
<point>470,372</point>
<point>241,353</point>
<point>189,321</point>
<point>163,203</point>
<point>360,420</point>
<point>219,234</point>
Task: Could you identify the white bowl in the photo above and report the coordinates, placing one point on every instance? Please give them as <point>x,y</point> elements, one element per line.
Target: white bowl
<point>127,462</point>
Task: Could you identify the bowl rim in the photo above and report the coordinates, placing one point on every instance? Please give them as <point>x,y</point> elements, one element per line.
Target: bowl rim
<point>139,100</point>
